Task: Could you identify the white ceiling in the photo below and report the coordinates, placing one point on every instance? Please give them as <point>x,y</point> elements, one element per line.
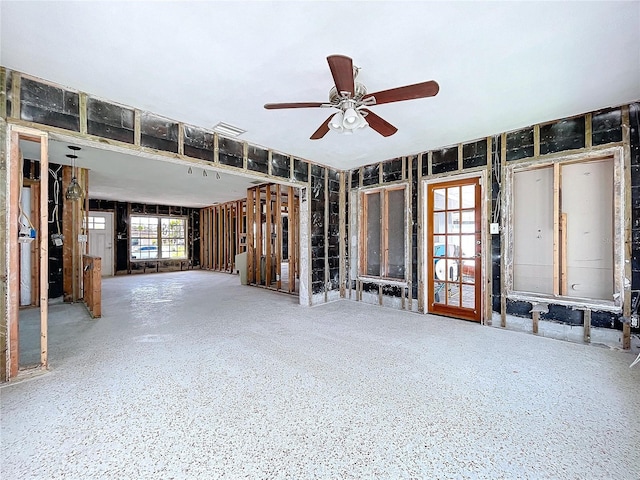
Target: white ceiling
<point>500,65</point>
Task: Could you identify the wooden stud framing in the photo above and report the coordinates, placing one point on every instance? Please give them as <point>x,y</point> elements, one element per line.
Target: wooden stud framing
<point>563,253</point>
<point>326,231</point>
<point>421,231</point>
<point>180,138</point>
<point>556,226</point>
<point>44,249</point>
<point>503,243</point>
<point>588,131</point>
<point>268,238</point>
<point>83,112</point>
<point>292,247</point>
<point>626,309</point>
<point>258,235</point>
<point>13,300</point>
<point>409,228</point>
<point>250,242</point>
<point>43,246</point>
<point>137,130</point>
<point>3,92</point>
<point>488,243</point>
<point>278,240</point>
<point>16,82</point>
<point>536,141</point>
<point>587,325</point>
<point>342,226</point>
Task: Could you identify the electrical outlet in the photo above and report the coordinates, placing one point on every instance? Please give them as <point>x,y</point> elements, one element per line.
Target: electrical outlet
<point>82,238</point>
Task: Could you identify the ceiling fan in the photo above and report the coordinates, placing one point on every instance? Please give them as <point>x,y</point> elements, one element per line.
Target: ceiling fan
<point>351,99</point>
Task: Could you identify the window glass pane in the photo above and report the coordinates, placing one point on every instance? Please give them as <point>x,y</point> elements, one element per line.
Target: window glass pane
<point>533,230</point>
<point>468,224</point>
<point>468,196</point>
<point>439,222</point>
<point>438,199</point>
<point>468,246</point>
<point>396,229</point>
<point>453,197</point>
<point>587,204</point>
<point>373,234</point>
<point>147,243</point>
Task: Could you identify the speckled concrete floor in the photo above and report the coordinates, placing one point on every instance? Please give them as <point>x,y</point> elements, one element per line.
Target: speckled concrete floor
<point>190,375</point>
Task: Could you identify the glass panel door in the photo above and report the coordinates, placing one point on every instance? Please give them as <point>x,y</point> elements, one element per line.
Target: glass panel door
<point>454,248</point>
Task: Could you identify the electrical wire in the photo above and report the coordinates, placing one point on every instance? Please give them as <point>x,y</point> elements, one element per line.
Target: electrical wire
<point>56,194</point>
<point>22,214</point>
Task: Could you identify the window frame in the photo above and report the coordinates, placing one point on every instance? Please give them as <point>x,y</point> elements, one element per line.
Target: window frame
<point>384,238</point>
<point>620,213</point>
<point>159,237</point>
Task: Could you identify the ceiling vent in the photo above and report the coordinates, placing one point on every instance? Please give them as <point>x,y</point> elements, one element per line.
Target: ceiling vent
<point>228,130</point>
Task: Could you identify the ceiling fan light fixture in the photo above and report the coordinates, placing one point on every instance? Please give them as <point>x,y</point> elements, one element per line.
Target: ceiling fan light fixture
<point>353,120</point>
<point>336,122</point>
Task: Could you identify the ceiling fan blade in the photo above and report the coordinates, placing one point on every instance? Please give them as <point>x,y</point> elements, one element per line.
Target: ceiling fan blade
<point>342,70</point>
<point>408,92</point>
<point>379,124</point>
<point>322,130</point>
<point>274,106</point>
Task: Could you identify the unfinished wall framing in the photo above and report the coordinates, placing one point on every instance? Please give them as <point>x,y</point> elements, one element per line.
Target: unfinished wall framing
<point>272,237</point>
<point>582,135</point>
<point>223,232</point>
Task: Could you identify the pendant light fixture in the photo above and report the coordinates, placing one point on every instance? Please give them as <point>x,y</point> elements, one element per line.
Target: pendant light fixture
<point>74,191</point>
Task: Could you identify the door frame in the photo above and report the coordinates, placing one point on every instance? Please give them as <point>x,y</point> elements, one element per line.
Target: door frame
<point>485,238</point>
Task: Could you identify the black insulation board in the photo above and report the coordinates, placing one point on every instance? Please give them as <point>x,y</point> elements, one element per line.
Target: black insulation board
<point>445,160</point>
<point>280,165</point>
<point>49,105</point>
<point>258,159</point>
<point>159,133</point>
<point>300,170</point>
<point>198,143</point>
<point>606,126</point>
<point>567,134</point>
<point>392,170</point>
<point>110,121</point>
<point>520,144</point>
<point>371,175</point>
<point>230,152</point>
<point>474,154</point>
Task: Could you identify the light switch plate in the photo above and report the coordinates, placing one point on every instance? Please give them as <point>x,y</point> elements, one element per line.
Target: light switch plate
<point>494,228</point>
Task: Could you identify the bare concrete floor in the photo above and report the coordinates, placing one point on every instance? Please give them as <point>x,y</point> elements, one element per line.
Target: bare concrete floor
<point>190,375</point>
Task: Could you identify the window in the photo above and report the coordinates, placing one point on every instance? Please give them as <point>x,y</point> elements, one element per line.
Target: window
<point>158,238</point>
<point>96,223</point>
<point>564,224</point>
<point>383,234</point>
